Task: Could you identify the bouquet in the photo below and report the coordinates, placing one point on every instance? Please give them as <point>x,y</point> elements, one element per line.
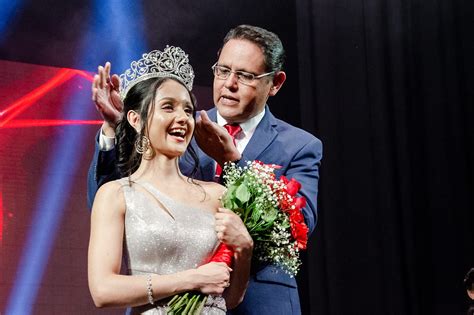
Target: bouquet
<point>270,210</point>
<point>272,214</point>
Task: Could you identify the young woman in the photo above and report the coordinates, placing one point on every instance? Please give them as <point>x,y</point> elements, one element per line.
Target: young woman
<point>166,224</point>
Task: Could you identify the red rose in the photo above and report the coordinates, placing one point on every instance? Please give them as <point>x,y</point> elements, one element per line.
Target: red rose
<point>300,202</point>
<point>299,231</point>
<point>296,216</point>
<point>284,203</point>
<point>292,187</point>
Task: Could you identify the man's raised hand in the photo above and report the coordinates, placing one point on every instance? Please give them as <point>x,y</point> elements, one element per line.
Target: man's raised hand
<point>105,94</point>
<point>215,141</point>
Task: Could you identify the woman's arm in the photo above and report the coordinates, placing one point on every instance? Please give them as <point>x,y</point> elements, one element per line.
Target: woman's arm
<point>232,232</point>
<point>108,288</point>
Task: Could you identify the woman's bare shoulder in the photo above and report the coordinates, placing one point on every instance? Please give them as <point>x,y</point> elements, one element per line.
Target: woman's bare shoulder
<point>211,187</point>
<point>212,191</point>
<point>110,188</point>
<point>109,197</point>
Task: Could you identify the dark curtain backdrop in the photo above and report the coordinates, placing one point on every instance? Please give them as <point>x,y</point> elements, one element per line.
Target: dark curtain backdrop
<point>388,86</point>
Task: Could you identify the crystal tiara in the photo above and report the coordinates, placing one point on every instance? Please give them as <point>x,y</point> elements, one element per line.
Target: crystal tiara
<point>172,62</point>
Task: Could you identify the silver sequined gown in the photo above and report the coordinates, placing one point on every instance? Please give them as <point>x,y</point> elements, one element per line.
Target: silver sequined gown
<point>163,243</point>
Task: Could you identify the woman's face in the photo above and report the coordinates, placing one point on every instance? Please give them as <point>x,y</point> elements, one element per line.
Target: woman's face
<point>171,124</point>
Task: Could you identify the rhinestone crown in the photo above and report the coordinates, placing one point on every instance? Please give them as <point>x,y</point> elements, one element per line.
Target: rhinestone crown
<point>171,62</point>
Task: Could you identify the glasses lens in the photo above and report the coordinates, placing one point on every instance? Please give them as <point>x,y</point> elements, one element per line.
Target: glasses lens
<point>245,77</point>
<point>221,72</point>
<point>224,72</point>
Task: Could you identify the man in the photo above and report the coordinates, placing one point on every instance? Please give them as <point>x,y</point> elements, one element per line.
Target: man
<point>247,72</point>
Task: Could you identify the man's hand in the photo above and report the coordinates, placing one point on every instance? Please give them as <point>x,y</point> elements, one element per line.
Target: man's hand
<point>215,141</point>
<point>105,94</point>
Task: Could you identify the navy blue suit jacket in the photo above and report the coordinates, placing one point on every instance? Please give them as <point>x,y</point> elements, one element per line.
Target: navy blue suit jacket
<point>271,290</point>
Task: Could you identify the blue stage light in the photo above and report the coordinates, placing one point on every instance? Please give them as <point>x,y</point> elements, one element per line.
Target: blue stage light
<point>116,36</point>
<point>8,10</point>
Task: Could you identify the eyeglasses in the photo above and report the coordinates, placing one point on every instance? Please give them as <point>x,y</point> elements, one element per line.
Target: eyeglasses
<point>243,77</point>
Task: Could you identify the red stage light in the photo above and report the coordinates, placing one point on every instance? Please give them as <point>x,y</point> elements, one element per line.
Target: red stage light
<point>29,99</point>
<point>1,214</point>
<point>17,123</point>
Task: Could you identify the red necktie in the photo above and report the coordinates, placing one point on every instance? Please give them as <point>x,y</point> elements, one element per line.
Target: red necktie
<point>233,130</point>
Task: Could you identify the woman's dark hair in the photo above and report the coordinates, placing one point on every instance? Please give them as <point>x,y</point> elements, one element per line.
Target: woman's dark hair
<point>141,99</point>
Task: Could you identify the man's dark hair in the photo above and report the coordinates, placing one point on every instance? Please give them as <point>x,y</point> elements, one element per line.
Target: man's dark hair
<point>269,42</point>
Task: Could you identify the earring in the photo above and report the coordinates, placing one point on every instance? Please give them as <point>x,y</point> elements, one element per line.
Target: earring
<point>142,144</point>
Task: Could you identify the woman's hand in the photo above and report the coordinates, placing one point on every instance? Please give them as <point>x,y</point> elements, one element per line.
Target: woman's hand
<point>212,278</point>
<point>232,231</point>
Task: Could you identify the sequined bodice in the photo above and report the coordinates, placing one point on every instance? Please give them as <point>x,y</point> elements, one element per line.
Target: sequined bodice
<point>163,236</point>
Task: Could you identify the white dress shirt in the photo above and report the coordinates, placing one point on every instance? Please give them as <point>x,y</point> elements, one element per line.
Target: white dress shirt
<point>248,128</point>
<point>106,143</point>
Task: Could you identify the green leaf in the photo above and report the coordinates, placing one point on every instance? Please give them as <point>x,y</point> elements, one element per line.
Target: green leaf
<point>228,203</point>
<point>256,214</point>
<point>231,190</point>
<point>285,224</point>
<point>242,193</point>
<point>270,215</point>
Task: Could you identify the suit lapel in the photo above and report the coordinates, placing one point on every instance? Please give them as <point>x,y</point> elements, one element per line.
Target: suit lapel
<point>263,136</point>
<point>207,167</point>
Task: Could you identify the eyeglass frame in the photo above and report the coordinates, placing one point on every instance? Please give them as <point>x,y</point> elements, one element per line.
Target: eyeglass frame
<point>255,76</point>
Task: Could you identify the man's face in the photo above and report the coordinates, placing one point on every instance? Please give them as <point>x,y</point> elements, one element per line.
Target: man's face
<point>237,102</point>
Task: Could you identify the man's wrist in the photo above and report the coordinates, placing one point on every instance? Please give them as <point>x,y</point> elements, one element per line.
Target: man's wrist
<point>106,143</point>
<point>235,158</point>
<point>236,161</point>
<point>108,130</point>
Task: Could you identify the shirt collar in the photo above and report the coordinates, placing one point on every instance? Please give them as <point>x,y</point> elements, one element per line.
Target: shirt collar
<point>248,125</point>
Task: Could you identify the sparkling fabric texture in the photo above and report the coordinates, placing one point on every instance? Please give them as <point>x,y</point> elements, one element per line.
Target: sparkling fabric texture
<point>166,241</point>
